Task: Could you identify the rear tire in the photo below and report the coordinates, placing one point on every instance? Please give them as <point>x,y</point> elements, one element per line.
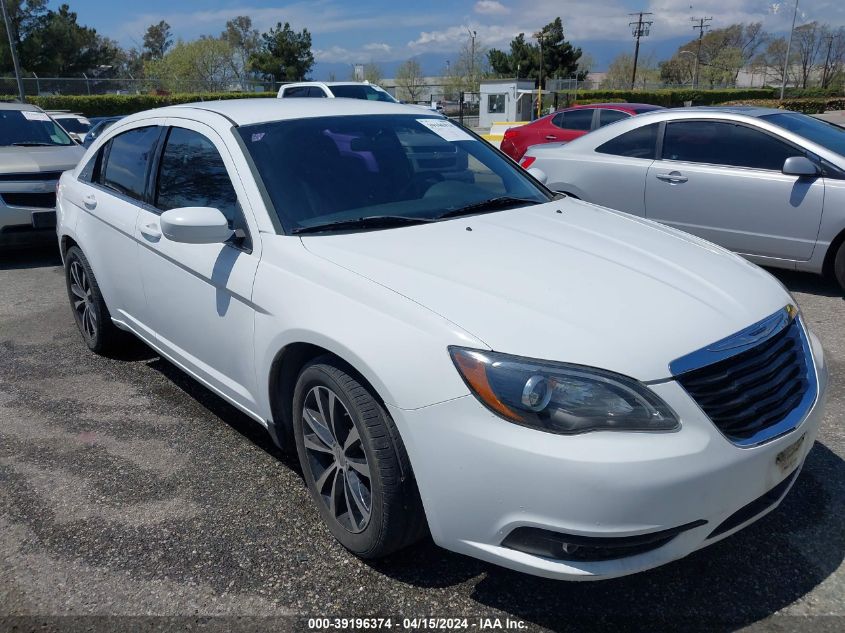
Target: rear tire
<point>354,462</point>
<point>89,309</point>
<point>839,266</point>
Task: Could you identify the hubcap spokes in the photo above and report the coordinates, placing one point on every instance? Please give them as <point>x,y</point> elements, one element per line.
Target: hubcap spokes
<point>336,458</point>
<point>82,300</point>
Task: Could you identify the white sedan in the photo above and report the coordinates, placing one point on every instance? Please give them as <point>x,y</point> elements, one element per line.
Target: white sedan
<point>448,346</point>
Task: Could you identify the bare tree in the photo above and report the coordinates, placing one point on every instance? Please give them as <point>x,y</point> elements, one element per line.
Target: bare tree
<point>807,40</point>
<point>833,53</point>
<point>410,79</point>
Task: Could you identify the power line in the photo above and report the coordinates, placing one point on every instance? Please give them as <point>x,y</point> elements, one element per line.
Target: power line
<point>702,26</point>
<point>640,28</point>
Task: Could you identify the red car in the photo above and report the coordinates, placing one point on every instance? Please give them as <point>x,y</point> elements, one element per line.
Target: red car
<point>568,124</point>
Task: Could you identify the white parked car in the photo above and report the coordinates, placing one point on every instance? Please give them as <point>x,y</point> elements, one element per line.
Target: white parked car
<point>76,125</point>
<point>336,89</point>
<point>542,383</point>
<point>765,183</point>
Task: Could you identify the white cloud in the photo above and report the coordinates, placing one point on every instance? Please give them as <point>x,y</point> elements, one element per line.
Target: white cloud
<point>490,7</point>
<point>378,47</point>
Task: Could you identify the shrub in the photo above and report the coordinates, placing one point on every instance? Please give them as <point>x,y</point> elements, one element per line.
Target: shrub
<point>677,97</point>
<point>806,106</point>
<point>112,105</point>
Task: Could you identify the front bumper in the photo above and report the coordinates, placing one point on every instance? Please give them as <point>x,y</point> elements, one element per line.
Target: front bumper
<point>481,478</point>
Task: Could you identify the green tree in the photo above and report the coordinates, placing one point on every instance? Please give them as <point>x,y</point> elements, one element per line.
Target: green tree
<point>409,79</point>
<point>201,65</point>
<point>244,41</point>
<point>284,54</point>
<point>372,73</point>
<point>619,72</point>
<point>560,58</point>
<point>157,40</point>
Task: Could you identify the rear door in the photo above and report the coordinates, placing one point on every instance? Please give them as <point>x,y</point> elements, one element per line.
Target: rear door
<point>112,191</point>
<point>722,180</point>
<point>572,124</point>
<point>606,116</point>
<point>199,295</point>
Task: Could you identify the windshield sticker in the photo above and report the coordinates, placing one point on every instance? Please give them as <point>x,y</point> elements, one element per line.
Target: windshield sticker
<point>445,129</point>
<point>33,115</point>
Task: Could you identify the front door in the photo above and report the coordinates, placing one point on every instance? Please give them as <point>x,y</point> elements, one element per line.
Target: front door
<point>722,180</point>
<point>199,295</point>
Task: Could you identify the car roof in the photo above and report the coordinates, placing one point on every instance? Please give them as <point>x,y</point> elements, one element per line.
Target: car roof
<point>15,105</point>
<point>330,83</point>
<point>623,105</point>
<point>755,111</point>
<point>261,110</point>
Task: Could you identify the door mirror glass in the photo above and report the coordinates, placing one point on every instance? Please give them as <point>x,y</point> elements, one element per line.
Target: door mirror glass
<point>195,225</point>
<point>800,166</point>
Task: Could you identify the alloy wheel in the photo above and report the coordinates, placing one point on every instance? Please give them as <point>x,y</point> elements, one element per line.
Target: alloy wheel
<point>336,458</point>
<point>83,300</point>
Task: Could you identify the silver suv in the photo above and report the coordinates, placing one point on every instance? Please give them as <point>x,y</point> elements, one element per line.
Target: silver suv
<point>34,151</point>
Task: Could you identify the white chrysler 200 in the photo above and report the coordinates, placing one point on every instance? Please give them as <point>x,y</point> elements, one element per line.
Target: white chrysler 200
<point>540,382</point>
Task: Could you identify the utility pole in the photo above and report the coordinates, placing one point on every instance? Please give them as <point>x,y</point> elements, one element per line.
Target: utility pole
<point>539,36</point>
<point>702,26</point>
<point>640,28</point>
<point>13,49</point>
<point>826,68</point>
<point>472,36</point>
<point>788,47</point>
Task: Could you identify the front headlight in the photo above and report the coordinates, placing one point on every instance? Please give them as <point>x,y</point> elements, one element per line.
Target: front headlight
<point>561,397</point>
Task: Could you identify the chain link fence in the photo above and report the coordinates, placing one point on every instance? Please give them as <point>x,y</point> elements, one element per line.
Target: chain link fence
<point>46,86</point>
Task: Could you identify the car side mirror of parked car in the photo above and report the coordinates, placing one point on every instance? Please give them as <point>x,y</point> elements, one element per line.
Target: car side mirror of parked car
<point>195,225</point>
<point>539,174</point>
<point>800,166</point>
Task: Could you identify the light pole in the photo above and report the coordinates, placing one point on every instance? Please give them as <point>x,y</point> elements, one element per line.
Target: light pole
<point>13,49</point>
<point>539,36</point>
<point>472,36</point>
<point>788,46</point>
<point>695,68</point>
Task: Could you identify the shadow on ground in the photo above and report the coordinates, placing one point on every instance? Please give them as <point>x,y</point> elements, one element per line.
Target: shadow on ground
<point>17,257</point>
<point>808,283</point>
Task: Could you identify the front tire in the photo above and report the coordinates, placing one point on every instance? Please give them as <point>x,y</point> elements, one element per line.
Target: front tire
<point>89,309</point>
<point>354,463</point>
<point>839,266</point>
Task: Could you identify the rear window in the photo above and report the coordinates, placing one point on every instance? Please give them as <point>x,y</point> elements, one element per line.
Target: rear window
<point>30,128</point>
<point>361,92</point>
<point>638,143</point>
<point>79,126</point>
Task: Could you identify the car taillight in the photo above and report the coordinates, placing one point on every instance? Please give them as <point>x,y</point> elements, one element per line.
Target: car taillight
<point>527,161</point>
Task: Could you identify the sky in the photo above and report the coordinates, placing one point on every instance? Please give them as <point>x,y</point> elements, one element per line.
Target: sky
<point>350,31</point>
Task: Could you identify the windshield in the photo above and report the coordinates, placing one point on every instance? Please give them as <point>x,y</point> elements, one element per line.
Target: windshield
<point>30,128</point>
<point>825,134</point>
<point>70,124</point>
<point>363,91</point>
<point>336,169</point>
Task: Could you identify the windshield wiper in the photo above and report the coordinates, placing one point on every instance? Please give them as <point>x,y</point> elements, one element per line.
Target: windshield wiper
<point>373,222</point>
<point>32,144</point>
<point>493,204</point>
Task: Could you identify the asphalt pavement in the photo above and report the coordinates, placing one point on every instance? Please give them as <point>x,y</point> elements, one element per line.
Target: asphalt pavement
<point>127,489</point>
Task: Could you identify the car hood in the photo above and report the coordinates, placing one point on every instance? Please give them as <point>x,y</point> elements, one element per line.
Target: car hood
<point>567,281</point>
<point>24,160</point>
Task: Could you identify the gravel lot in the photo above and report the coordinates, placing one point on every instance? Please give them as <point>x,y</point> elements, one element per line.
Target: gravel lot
<point>126,489</point>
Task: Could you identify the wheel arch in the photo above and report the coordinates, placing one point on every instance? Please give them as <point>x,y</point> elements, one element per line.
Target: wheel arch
<point>287,364</point>
<point>830,255</point>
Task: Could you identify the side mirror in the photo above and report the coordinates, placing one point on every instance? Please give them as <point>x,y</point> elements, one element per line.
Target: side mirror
<point>800,166</point>
<point>195,225</point>
<point>539,174</point>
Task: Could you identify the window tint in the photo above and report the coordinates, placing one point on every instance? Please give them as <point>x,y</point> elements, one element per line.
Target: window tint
<point>610,116</point>
<point>361,91</point>
<point>316,92</point>
<point>578,119</point>
<point>638,143</point>
<point>557,119</point>
<point>128,159</point>
<point>192,174</point>
<point>300,91</point>
<point>723,143</point>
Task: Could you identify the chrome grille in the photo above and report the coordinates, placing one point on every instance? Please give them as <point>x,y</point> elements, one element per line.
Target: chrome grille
<point>764,389</point>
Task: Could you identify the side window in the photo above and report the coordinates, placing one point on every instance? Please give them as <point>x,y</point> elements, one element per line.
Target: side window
<point>91,171</point>
<point>638,143</point>
<point>192,174</point>
<point>611,116</point>
<point>724,143</point>
<point>316,92</point>
<point>557,120</point>
<point>298,91</point>
<point>578,119</point>
<point>128,160</point>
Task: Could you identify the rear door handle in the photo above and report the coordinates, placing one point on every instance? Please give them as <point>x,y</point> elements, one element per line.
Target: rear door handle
<point>151,231</point>
<point>551,137</point>
<point>673,178</point>
<point>90,201</point>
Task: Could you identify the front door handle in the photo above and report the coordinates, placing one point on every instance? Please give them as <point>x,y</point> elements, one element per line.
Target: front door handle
<point>151,231</point>
<point>90,201</point>
<point>551,137</point>
<point>673,177</point>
